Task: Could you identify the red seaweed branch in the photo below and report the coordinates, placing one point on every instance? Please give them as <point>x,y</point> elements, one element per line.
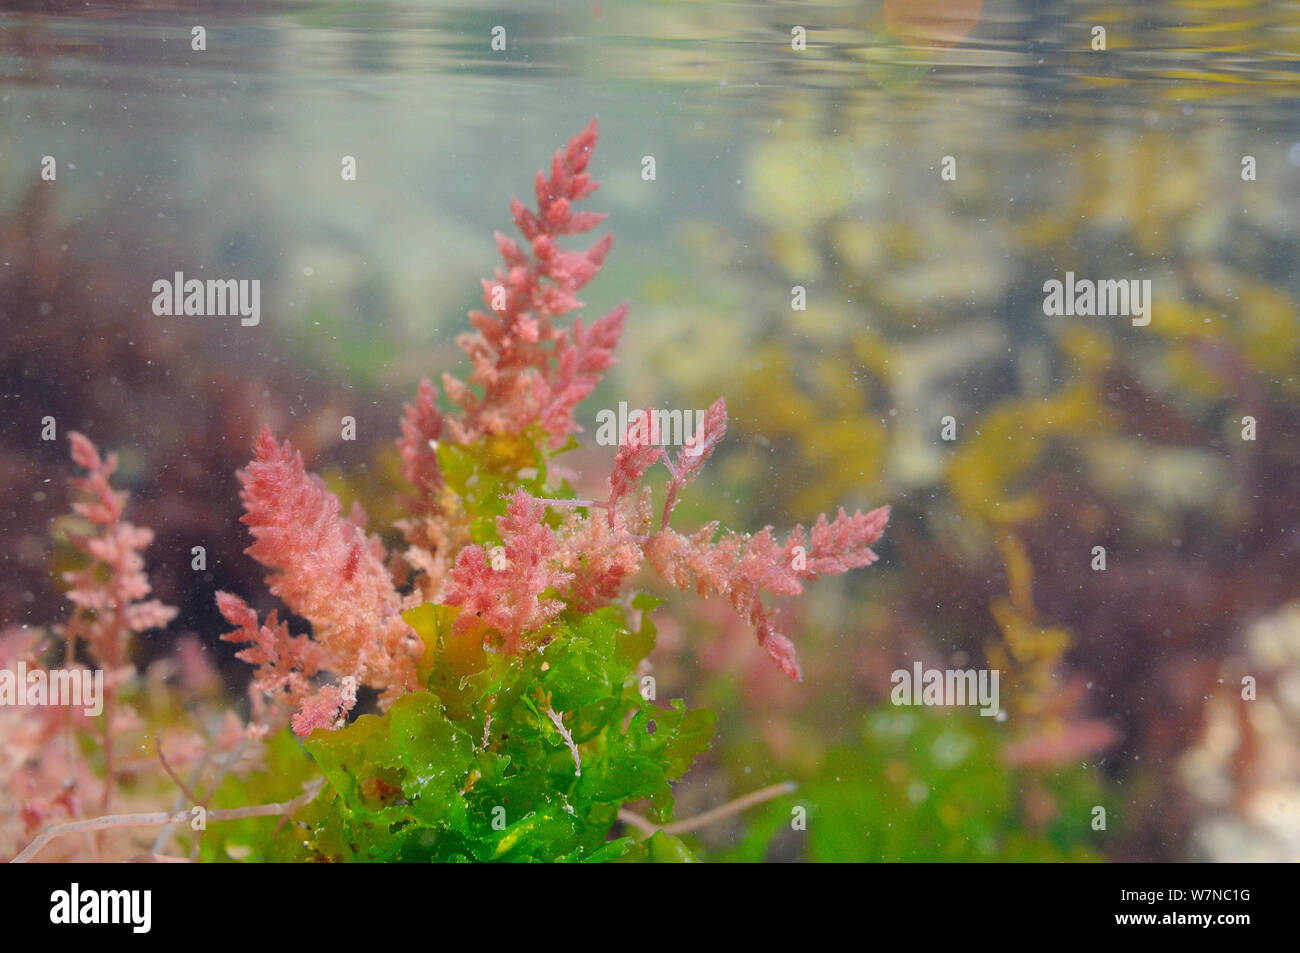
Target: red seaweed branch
<point>110,591</point>
<point>528,373</point>
<point>324,569</point>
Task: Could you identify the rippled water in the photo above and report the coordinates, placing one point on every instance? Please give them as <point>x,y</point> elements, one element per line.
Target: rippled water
<point>252,126</point>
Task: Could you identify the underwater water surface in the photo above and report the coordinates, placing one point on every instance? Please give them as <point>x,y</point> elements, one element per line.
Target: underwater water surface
<point>1022,271</point>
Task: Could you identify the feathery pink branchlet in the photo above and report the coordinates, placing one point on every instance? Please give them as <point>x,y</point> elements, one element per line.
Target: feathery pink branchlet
<point>505,598</point>
<point>324,569</point>
<point>113,587</point>
<point>528,369</point>
<point>637,453</point>
<point>421,427</point>
<point>741,568</point>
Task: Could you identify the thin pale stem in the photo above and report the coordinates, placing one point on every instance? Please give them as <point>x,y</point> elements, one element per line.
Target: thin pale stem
<point>180,799</point>
<point>70,659</point>
<point>113,663</point>
<point>551,501</point>
<point>687,824</point>
<point>670,500</point>
<point>164,817</point>
<point>558,721</point>
<point>162,757</point>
